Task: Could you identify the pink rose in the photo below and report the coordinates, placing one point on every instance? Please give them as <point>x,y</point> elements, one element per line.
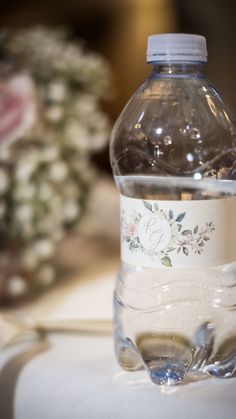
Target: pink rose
<point>17,108</point>
<point>131,230</point>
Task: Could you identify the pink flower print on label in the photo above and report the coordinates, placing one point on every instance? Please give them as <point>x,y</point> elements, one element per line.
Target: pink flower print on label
<point>131,230</point>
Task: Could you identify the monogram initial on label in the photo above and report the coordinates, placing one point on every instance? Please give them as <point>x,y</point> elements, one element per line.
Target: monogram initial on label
<point>154,233</point>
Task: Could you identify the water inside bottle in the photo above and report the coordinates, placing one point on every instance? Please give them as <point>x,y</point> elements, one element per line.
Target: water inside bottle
<point>174,321</point>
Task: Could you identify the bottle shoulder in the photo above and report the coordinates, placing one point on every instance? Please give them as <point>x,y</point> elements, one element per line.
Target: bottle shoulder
<point>174,103</point>
<point>178,89</point>
<point>176,124</point>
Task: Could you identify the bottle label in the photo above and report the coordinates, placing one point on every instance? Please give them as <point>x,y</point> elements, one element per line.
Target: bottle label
<point>178,234</point>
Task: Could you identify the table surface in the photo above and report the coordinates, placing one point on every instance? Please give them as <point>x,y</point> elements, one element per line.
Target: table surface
<point>77,376</point>
<point>71,377</point>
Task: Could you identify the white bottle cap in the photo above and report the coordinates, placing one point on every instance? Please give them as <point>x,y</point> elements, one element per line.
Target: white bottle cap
<point>176,47</point>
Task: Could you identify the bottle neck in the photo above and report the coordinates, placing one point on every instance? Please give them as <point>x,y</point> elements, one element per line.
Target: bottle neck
<point>170,69</point>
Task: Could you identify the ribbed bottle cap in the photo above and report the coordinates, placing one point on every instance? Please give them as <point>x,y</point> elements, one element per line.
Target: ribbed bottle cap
<point>176,47</point>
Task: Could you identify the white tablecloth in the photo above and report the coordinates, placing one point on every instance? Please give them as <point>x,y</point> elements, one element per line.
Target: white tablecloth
<point>77,377</point>
<point>71,377</point>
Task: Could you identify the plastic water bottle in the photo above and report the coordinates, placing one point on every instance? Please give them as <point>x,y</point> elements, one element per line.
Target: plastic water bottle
<point>173,156</point>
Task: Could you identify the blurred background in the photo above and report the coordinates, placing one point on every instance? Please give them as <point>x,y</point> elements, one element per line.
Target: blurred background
<point>118,29</point>
<point>51,172</point>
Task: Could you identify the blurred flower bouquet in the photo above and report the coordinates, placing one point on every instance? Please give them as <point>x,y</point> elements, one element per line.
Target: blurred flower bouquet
<point>50,123</point>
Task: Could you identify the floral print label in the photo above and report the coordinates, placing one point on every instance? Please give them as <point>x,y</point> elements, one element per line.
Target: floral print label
<point>178,234</point>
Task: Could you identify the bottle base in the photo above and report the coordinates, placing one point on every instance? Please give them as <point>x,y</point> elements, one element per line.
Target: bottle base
<point>171,360</point>
<point>128,356</point>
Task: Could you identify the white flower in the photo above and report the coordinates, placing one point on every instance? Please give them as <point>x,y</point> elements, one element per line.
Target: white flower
<point>16,286</point>
<point>54,113</point>
<point>46,275</point>
<point>30,259</point>
<point>71,210</point>
<point>97,141</point>
<point>26,165</point>
<point>24,170</point>
<point>57,91</point>
<point>44,249</point>
<point>24,191</point>
<point>4,181</point>
<point>24,213</point>
<point>50,153</point>
<point>85,105</point>
<point>45,191</point>
<point>58,171</point>
<point>77,136</point>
